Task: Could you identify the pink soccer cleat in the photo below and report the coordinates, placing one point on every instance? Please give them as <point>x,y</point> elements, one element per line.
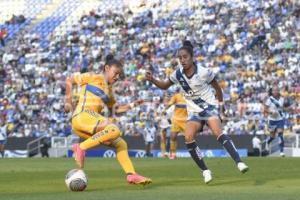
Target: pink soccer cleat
<point>172,156</point>
<point>138,179</point>
<point>79,155</point>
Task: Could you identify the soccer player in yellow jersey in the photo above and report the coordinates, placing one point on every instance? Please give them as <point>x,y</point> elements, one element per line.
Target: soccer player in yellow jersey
<point>179,119</point>
<point>89,124</point>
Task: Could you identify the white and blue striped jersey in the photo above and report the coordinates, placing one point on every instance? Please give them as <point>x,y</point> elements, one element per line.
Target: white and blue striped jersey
<point>149,133</point>
<point>3,133</point>
<point>275,107</point>
<point>197,90</point>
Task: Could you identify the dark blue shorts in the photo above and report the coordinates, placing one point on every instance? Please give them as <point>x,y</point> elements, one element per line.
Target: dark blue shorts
<point>210,111</point>
<point>276,124</point>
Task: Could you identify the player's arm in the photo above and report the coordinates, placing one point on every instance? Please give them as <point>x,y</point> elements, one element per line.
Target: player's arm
<point>129,106</point>
<point>170,103</point>
<point>76,78</point>
<point>68,95</point>
<point>219,93</point>
<point>162,84</point>
<point>265,110</point>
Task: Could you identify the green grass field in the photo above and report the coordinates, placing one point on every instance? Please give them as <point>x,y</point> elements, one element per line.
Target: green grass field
<point>43,179</point>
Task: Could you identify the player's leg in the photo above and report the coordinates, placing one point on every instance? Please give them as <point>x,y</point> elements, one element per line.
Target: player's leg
<point>2,148</point>
<point>151,149</point>
<point>109,133</point>
<point>163,143</point>
<point>168,139</point>
<point>97,127</point>
<point>270,139</point>
<point>173,139</point>
<point>126,164</point>
<point>173,145</point>
<point>194,150</point>
<point>280,129</point>
<point>214,124</point>
<point>272,130</point>
<point>147,150</point>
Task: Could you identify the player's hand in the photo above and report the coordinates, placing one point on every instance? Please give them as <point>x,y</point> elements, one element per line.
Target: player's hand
<point>149,76</point>
<point>274,114</point>
<point>68,107</point>
<point>223,114</point>
<point>138,102</point>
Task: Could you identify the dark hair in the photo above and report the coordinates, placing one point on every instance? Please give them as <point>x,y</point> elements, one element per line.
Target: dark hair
<point>110,60</point>
<point>270,92</point>
<point>187,45</point>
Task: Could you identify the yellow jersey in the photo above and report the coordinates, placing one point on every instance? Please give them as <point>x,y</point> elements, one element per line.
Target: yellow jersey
<point>180,112</point>
<point>94,94</point>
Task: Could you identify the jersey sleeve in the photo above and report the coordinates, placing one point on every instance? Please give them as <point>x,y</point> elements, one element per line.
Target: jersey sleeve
<point>208,75</point>
<point>173,78</point>
<point>268,102</point>
<point>281,102</point>
<point>172,100</point>
<point>82,79</point>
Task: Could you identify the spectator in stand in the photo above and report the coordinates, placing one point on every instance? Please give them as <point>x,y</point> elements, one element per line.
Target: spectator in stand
<point>3,34</point>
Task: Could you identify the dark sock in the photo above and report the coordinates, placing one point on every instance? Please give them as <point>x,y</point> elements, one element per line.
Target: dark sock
<point>168,145</point>
<point>270,140</point>
<point>281,144</point>
<point>196,155</point>
<point>227,143</point>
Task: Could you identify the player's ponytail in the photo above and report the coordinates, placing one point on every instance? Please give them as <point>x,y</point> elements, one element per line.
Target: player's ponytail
<point>110,60</point>
<point>109,57</point>
<point>187,45</point>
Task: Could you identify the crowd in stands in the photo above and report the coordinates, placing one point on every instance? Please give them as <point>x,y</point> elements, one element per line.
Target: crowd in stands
<point>16,19</point>
<point>251,45</point>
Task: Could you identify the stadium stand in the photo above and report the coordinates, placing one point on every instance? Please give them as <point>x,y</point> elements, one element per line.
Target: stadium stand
<point>250,45</point>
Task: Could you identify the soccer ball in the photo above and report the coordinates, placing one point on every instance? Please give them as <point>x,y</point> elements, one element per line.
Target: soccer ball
<point>76,180</point>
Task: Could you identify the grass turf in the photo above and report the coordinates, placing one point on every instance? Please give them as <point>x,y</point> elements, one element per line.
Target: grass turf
<point>38,178</point>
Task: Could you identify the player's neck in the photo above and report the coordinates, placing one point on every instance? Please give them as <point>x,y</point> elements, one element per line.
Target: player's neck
<point>189,72</point>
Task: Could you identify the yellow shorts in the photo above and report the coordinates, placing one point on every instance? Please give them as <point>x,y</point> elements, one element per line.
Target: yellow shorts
<point>84,123</point>
<point>178,126</point>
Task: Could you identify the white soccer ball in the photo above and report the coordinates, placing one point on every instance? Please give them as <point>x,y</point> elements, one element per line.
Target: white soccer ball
<point>76,180</point>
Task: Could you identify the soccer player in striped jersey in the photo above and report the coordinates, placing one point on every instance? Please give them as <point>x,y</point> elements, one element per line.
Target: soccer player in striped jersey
<point>165,133</point>
<point>274,110</point>
<point>89,124</point>
<point>196,84</point>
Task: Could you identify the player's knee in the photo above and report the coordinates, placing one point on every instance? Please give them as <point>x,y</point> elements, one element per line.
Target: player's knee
<point>113,130</point>
<point>188,138</point>
<point>173,138</point>
<point>120,144</point>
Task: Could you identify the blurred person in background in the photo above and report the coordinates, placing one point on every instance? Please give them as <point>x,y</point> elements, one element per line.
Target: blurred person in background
<point>3,34</point>
<point>165,133</point>
<point>256,145</point>
<point>275,111</point>
<point>149,133</point>
<point>3,136</point>
<point>179,118</point>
